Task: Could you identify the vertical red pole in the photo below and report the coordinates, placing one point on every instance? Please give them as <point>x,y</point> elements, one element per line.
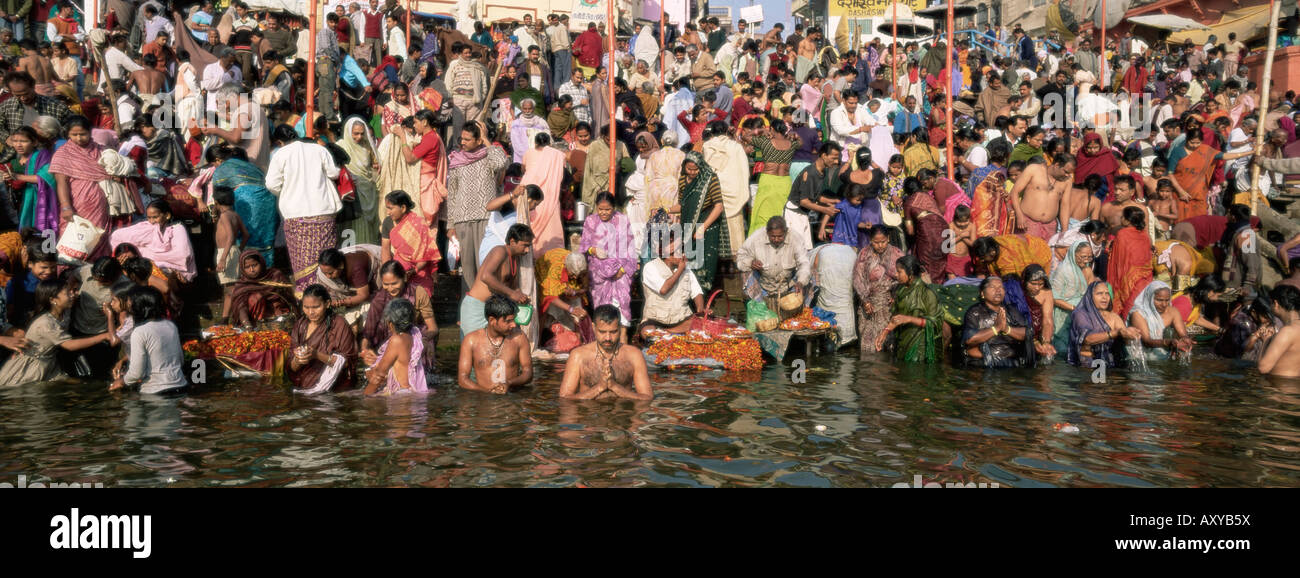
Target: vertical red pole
<point>309,121</point>
<point>1102,81</point>
<point>663,45</point>
<point>408,28</point>
<point>893,59</point>
<point>948,89</point>
<point>609,74</point>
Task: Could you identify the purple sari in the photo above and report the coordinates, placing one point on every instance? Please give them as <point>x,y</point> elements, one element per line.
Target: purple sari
<point>614,237</point>
<point>40,206</point>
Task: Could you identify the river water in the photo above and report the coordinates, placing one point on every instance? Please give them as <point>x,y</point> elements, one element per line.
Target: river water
<point>1213,423</point>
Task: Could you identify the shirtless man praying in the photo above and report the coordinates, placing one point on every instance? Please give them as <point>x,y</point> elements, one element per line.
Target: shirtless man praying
<point>499,273</point>
<point>1042,187</point>
<point>607,368</point>
<point>499,354</point>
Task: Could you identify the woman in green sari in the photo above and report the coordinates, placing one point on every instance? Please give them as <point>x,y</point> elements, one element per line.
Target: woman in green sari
<point>1030,146</point>
<point>361,165</point>
<point>1070,280</point>
<point>701,209</point>
<point>917,321</point>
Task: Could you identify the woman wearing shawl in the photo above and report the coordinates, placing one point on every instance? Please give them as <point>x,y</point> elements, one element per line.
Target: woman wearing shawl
<point>432,159</point>
<point>663,172</point>
<point>254,204</point>
<point>1070,280</point>
<point>261,292</point>
<point>1008,254</point>
<point>362,157</point>
<point>1152,315</point>
<point>1250,327</point>
<point>1094,329</point>
<point>375,333</point>
<point>938,121</point>
<point>917,321</point>
<point>991,208</point>
<point>395,174</point>
<point>1095,159</point>
<point>32,183</point>
<point>165,156</point>
<point>925,223</point>
<point>994,332</point>
<point>919,155</point>
<point>323,346</point>
<point>161,240</point>
<point>607,243</point>
<point>874,277</point>
<point>777,147</point>
<point>564,283</point>
<point>408,240</point>
<point>544,167</point>
<point>1042,306</point>
<point>1129,263</point>
<point>810,97</point>
<point>401,106</point>
<point>701,214</point>
<point>1030,145</point>
<point>77,174</point>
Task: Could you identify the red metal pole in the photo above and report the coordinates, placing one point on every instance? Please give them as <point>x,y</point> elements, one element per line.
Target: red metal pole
<point>948,89</point>
<point>609,74</point>
<point>663,45</point>
<point>408,28</point>
<point>1102,81</point>
<point>893,59</point>
<point>310,121</point>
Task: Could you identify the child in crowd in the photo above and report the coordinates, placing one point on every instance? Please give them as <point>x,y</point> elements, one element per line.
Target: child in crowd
<point>398,365</point>
<point>962,235</point>
<point>231,238</point>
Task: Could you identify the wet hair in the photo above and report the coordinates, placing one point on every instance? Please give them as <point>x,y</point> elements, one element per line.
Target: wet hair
<point>606,313</point>
<point>400,198</point>
<point>1135,216</point>
<point>106,268</point>
<point>988,281</point>
<point>401,313</point>
<point>224,196</point>
<point>332,258</point>
<point>1034,272</point>
<point>46,291</point>
<point>519,232</point>
<point>910,265</point>
<point>961,213</point>
<point>1093,183</point>
<point>1286,297</point>
<point>984,246</point>
<point>1127,181</point>
<point>318,291</point>
<point>147,304</point>
<point>500,307</point>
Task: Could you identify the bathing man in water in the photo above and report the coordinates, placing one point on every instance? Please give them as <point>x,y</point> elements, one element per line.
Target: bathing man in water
<point>606,368</point>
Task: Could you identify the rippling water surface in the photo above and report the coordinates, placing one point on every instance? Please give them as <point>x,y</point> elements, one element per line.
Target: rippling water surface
<point>1214,423</point>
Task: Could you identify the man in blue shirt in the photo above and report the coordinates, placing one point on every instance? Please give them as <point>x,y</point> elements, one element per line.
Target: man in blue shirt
<point>907,120</point>
<point>201,21</point>
<point>1027,52</point>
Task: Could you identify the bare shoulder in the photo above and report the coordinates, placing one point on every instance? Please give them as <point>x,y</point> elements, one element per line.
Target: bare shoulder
<point>632,354</point>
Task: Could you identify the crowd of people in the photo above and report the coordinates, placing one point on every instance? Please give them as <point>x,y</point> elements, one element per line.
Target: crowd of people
<point>561,182</point>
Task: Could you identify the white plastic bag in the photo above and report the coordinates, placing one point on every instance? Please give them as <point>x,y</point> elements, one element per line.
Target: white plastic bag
<point>453,252</point>
<point>78,241</point>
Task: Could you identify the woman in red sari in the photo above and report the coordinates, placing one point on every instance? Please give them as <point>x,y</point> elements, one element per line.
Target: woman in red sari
<point>407,239</point>
<point>77,174</point>
<point>1095,159</point>
<point>432,157</point>
<point>924,221</point>
<point>261,292</point>
<point>938,118</point>
<point>1129,267</point>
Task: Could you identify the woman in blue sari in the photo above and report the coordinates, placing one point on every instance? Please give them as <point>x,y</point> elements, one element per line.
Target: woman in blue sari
<point>253,202</point>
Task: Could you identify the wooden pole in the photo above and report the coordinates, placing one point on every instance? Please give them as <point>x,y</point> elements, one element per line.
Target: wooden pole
<point>609,73</point>
<point>112,92</point>
<point>309,116</point>
<point>948,89</point>
<point>1266,86</point>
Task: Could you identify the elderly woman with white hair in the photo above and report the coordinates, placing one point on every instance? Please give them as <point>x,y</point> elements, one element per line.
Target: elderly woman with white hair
<point>564,281</point>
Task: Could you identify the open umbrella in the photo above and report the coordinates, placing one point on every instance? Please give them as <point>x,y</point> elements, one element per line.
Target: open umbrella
<point>906,29</point>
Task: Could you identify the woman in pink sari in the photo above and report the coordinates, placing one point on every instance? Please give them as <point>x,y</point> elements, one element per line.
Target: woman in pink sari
<point>161,240</point>
<point>77,174</point>
<point>544,167</point>
<point>611,257</point>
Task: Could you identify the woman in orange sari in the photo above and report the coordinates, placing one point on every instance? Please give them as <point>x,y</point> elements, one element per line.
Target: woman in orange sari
<point>1129,266</point>
<point>408,240</point>
<point>1195,173</point>
<point>544,167</point>
<point>991,208</point>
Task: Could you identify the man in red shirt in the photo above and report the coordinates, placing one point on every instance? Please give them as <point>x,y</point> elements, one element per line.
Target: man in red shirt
<point>343,30</point>
<point>588,49</point>
<point>374,32</point>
